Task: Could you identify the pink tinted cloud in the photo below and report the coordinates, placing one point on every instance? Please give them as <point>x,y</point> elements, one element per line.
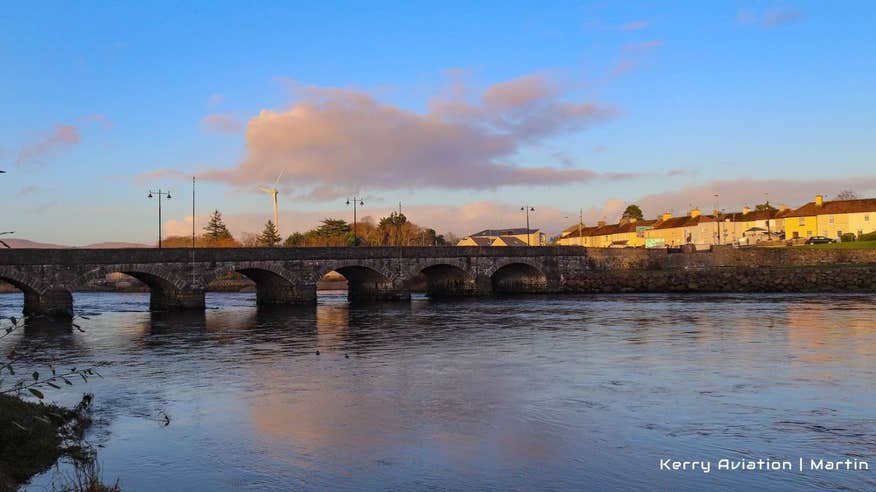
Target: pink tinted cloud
<point>622,67</point>
<point>221,123</point>
<point>644,45</point>
<point>98,119</point>
<point>769,18</point>
<point>635,25</point>
<point>62,137</point>
<point>335,140</point>
<point>215,100</point>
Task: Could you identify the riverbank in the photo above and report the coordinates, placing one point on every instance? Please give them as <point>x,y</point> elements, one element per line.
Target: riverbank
<point>34,436</point>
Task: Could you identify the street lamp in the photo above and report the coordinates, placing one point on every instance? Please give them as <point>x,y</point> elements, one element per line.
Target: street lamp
<point>717,220</point>
<point>159,194</point>
<point>527,209</point>
<point>355,201</point>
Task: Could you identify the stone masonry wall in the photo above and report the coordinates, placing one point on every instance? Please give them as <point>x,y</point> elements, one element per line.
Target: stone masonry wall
<point>727,269</point>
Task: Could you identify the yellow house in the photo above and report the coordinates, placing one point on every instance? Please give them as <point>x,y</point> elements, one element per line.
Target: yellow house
<point>694,228</point>
<point>831,218</point>
<point>629,232</point>
<point>530,237</point>
<point>748,226</point>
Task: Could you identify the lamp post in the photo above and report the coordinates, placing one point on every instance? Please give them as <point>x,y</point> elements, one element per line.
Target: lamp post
<point>717,221</point>
<point>360,202</point>
<point>527,209</point>
<point>769,212</point>
<point>160,194</point>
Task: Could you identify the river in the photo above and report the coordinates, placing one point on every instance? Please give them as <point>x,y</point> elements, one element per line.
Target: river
<point>531,393</point>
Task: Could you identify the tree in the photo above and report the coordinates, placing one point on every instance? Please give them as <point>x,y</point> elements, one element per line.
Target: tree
<point>216,230</point>
<point>294,239</point>
<point>765,206</point>
<point>633,212</point>
<point>269,236</point>
<point>847,195</point>
<point>391,229</point>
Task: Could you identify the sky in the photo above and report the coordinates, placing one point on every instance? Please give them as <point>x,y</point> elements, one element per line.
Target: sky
<point>463,112</point>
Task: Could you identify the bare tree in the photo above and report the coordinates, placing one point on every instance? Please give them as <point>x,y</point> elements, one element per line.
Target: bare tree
<point>847,195</point>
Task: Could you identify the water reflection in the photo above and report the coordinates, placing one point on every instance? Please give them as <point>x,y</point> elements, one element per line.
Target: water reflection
<point>529,393</point>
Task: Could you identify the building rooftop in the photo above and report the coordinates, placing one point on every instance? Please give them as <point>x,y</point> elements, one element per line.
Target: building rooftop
<point>504,232</point>
<point>480,241</point>
<point>685,221</point>
<point>835,207</point>
<point>511,241</point>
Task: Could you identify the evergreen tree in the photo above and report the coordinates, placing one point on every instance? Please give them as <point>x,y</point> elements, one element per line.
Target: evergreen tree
<point>269,236</point>
<point>216,230</point>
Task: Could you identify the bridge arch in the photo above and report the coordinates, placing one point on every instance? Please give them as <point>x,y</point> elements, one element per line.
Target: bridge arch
<point>39,298</point>
<point>169,289</point>
<point>274,284</point>
<point>517,277</point>
<point>366,282</point>
<point>446,279</point>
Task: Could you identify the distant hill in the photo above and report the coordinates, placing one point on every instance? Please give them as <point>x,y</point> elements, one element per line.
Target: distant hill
<point>110,245</point>
<point>26,243</point>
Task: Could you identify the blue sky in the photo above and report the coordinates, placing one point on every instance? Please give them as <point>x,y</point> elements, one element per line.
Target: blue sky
<point>604,103</point>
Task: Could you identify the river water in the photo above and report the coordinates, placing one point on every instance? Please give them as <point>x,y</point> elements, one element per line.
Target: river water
<point>533,393</point>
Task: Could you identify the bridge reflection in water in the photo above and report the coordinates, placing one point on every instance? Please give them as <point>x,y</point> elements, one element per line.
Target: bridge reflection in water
<point>178,278</point>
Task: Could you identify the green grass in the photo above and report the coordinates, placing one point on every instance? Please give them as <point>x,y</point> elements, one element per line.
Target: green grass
<point>849,245</point>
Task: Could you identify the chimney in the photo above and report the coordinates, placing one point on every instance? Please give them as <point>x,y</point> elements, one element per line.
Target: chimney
<point>694,213</point>
<point>819,200</point>
<point>666,216</point>
<point>601,223</point>
<point>745,210</point>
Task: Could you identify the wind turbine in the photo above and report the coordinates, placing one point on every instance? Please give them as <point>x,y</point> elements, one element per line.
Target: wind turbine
<point>273,192</point>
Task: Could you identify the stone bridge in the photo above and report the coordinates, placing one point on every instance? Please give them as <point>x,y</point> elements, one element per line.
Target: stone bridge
<point>178,278</point>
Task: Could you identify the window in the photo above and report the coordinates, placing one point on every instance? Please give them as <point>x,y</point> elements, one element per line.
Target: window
<point>808,233</point>
<point>802,221</point>
<point>830,219</point>
<point>866,218</point>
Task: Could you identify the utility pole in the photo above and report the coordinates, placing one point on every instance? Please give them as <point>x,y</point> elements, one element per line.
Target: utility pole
<point>769,212</point>
<point>361,202</point>
<point>527,209</point>
<point>193,231</point>
<point>159,194</point>
<point>717,221</point>
<point>580,224</point>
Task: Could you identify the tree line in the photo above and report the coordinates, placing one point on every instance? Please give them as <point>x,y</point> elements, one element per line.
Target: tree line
<point>392,230</point>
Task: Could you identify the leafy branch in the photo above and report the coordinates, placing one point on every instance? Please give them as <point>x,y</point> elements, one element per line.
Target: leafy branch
<point>34,385</point>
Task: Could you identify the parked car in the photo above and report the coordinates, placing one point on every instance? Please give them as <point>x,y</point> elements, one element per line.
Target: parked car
<point>820,240</point>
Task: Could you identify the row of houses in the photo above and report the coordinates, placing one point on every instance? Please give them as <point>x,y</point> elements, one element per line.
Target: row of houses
<point>505,237</point>
<point>832,219</point>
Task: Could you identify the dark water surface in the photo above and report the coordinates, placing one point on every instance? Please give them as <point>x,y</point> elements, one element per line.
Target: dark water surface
<point>537,393</point>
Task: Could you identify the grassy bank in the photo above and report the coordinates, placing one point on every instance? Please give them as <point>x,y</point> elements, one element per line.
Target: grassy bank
<point>33,436</point>
<point>848,245</point>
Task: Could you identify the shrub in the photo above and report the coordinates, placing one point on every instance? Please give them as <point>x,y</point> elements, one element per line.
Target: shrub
<point>870,236</point>
<point>848,237</point>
